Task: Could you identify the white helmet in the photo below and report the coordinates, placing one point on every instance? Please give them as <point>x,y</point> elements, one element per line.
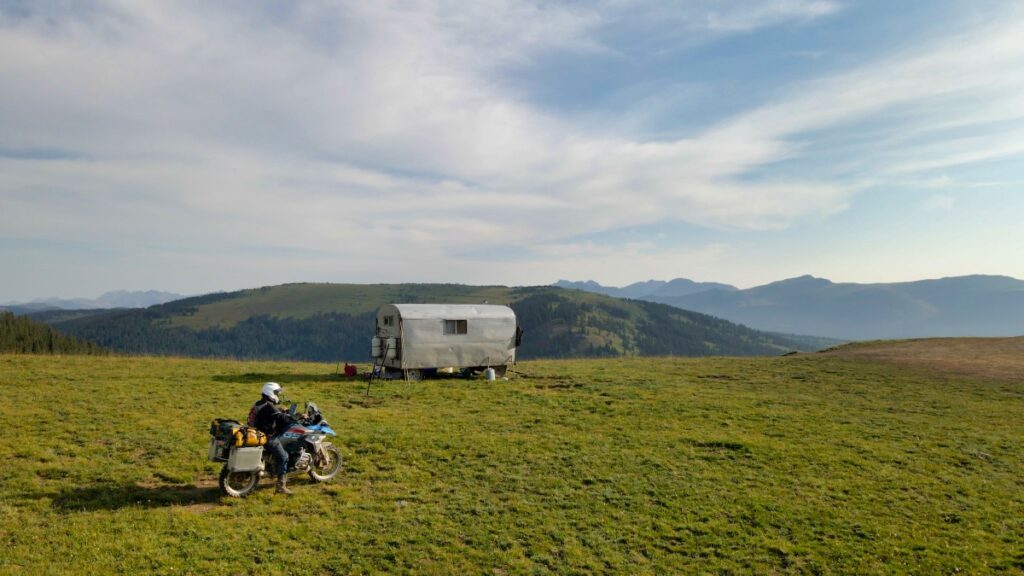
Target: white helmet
<point>271,390</point>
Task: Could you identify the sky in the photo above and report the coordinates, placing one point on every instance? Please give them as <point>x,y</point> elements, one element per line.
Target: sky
<point>200,146</point>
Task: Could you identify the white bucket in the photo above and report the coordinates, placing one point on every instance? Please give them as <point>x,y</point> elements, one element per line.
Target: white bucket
<point>489,374</point>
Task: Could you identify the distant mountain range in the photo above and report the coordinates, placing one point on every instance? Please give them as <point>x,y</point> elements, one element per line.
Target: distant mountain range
<point>115,299</point>
<point>328,322</point>
<point>647,290</point>
<point>958,306</point>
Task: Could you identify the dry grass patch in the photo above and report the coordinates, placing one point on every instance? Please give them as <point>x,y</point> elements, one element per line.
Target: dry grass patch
<point>988,358</point>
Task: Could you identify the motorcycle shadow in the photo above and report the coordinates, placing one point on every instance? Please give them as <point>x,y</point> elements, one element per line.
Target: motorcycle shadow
<point>117,496</point>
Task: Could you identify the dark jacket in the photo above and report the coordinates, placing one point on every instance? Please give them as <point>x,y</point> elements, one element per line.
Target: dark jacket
<point>268,418</point>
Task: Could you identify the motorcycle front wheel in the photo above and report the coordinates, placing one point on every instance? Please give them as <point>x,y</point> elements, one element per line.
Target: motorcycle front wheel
<point>328,467</point>
<point>238,484</point>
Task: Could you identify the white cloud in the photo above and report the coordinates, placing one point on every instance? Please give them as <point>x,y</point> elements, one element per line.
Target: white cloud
<point>372,131</point>
<point>744,16</point>
<point>968,81</point>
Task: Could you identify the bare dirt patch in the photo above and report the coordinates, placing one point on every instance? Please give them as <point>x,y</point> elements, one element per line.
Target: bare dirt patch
<point>989,358</point>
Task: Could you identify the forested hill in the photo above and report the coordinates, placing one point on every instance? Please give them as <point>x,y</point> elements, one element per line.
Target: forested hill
<point>22,335</point>
<point>328,322</point>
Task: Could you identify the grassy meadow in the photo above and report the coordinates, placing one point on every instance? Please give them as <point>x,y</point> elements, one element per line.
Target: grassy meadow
<point>805,464</point>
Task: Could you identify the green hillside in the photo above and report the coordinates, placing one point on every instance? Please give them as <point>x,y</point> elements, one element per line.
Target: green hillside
<point>335,321</point>
<point>22,335</point>
<point>302,301</point>
<point>800,465</point>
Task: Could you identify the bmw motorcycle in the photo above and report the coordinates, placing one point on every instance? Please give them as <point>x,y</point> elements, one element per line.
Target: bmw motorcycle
<point>307,453</point>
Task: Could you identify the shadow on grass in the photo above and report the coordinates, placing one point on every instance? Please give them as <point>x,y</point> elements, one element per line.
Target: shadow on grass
<point>118,496</point>
<point>259,377</point>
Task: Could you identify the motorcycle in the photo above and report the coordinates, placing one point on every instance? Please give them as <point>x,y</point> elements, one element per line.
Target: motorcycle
<point>303,440</point>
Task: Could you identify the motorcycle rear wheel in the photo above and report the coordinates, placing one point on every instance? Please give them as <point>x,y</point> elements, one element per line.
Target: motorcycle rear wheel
<point>324,471</point>
<point>238,484</point>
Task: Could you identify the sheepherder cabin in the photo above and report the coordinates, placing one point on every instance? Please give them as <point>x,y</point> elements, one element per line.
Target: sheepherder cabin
<point>413,340</point>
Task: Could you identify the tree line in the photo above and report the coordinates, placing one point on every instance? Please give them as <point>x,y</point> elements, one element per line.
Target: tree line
<point>22,335</point>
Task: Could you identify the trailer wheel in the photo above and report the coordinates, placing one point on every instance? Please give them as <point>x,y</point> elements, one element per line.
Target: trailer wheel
<point>499,371</point>
<point>414,375</point>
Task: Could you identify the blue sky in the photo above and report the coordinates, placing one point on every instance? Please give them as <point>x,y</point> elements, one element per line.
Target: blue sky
<point>195,146</point>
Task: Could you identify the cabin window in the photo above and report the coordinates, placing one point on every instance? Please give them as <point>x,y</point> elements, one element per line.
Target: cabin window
<point>455,326</point>
<point>389,320</point>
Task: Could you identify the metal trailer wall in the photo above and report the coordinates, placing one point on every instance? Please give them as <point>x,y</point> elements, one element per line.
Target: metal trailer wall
<point>489,339</point>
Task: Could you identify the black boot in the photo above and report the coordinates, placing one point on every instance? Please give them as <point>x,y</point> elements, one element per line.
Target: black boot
<point>282,486</point>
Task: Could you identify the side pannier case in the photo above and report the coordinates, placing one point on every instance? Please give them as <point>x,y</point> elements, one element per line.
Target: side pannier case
<point>245,459</point>
<point>222,432</point>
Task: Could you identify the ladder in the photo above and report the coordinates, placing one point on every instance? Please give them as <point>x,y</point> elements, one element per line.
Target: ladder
<point>378,367</point>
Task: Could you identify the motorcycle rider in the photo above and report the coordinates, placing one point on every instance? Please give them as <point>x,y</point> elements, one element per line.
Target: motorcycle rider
<point>272,421</point>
